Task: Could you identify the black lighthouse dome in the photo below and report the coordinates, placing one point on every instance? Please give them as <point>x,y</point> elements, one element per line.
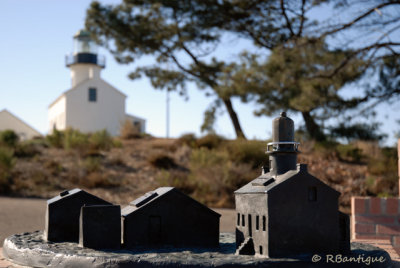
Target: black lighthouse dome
<point>85,51</point>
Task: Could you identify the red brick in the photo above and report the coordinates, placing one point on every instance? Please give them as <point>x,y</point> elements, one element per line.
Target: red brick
<point>376,219</point>
<point>364,228</point>
<point>392,206</point>
<point>358,205</point>
<point>371,237</point>
<point>382,229</point>
<point>375,205</point>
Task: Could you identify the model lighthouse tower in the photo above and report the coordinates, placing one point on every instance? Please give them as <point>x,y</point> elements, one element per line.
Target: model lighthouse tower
<point>286,211</point>
<point>84,62</point>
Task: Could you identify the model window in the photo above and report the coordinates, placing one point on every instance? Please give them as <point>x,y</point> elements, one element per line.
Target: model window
<point>312,194</point>
<point>261,250</point>
<point>264,223</point>
<point>238,219</point>
<point>92,94</point>
<point>243,220</point>
<point>250,226</point>
<point>257,222</point>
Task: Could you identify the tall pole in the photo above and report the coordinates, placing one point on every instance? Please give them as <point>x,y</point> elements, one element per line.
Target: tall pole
<point>167,114</point>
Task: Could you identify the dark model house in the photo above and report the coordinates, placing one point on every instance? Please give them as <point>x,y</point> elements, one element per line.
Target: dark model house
<point>166,216</point>
<point>286,211</point>
<point>62,214</point>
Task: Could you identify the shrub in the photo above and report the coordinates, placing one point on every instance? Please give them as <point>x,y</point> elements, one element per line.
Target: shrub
<point>56,138</point>
<point>101,140</point>
<point>9,138</point>
<point>188,139</point>
<point>74,139</point>
<point>129,131</point>
<point>92,164</point>
<point>178,179</point>
<point>27,150</point>
<point>210,141</point>
<point>161,160</point>
<point>349,153</point>
<point>7,163</point>
<point>217,176</point>
<point>249,152</point>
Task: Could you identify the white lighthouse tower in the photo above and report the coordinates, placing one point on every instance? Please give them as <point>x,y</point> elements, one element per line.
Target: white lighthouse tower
<point>91,104</point>
<point>84,62</point>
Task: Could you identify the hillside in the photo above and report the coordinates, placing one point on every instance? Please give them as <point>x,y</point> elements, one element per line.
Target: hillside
<point>209,168</point>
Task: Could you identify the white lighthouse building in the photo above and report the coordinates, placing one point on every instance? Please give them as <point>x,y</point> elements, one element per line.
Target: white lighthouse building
<point>91,104</point>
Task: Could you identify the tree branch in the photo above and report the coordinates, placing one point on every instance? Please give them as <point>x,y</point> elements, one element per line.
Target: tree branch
<point>289,25</point>
<point>366,14</point>
<point>303,2</point>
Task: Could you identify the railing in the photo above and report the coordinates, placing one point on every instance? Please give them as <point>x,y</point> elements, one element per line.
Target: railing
<point>99,60</point>
<point>276,146</point>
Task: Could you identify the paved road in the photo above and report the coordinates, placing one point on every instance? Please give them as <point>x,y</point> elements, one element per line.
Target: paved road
<point>18,215</point>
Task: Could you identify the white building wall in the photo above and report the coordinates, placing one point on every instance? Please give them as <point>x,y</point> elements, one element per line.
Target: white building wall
<point>10,121</point>
<point>107,112</point>
<point>57,115</point>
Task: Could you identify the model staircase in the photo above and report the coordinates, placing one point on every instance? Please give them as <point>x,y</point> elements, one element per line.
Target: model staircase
<point>246,248</point>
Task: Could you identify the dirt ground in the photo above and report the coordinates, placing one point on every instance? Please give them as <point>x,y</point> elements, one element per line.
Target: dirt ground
<point>18,215</point>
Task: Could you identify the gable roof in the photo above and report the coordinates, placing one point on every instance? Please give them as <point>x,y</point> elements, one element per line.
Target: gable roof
<point>155,196</point>
<point>75,193</point>
<point>78,85</point>
<point>266,182</point>
<point>8,113</point>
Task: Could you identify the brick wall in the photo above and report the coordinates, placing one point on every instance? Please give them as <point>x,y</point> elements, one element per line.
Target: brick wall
<point>376,218</point>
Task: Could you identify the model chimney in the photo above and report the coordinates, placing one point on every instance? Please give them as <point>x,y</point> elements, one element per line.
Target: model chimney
<point>283,149</point>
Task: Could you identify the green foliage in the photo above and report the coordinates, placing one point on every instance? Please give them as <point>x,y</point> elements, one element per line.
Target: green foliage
<point>178,179</point>
<point>92,164</point>
<point>9,138</point>
<point>359,131</point>
<point>7,162</point>
<point>74,139</point>
<point>350,153</point>
<point>164,29</point>
<point>249,152</point>
<point>56,138</point>
<point>188,139</point>
<point>216,176</point>
<point>101,140</point>
<point>27,149</point>
<point>210,141</point>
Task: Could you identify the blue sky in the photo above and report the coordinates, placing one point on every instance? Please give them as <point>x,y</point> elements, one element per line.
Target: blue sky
<point>36,36</point>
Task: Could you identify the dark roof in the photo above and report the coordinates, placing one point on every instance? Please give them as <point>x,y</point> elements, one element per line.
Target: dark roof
<point>155,196</point>
<point>72,193</point>
<point>267,182</point>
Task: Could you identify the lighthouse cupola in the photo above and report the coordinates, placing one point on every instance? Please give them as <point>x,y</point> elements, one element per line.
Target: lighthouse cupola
<point>84,61</point>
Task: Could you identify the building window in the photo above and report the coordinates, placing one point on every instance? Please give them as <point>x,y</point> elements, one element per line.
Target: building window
<point>312,194</point>
<point>264,223</point>
<point>92,94</point>
<point>261,250</point>
<point>243,220</point>
<point>257,222</point>
<point>238,219</point>
<point>250,226</point>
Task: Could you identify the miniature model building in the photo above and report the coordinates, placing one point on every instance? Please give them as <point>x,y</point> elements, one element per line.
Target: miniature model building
<point>286,211</point>
<point>166,216</point>
<point>100,227</point>
<point>62,214</point>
